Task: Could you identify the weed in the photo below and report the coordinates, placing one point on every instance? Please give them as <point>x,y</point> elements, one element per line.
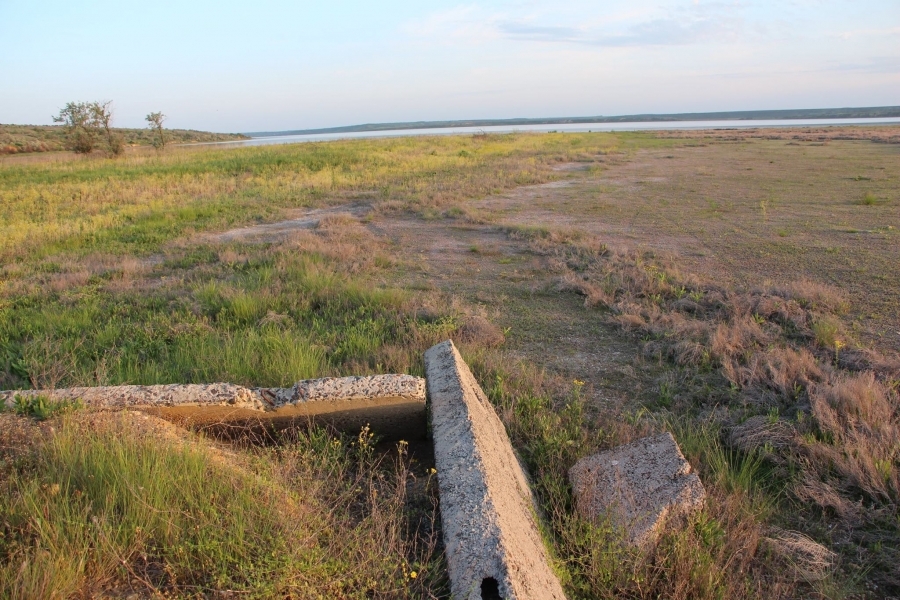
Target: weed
<point>318,304</point>
<point>41,407</point>
<point>827,332</point>
<point>777,348</point>
<point>868,199</point>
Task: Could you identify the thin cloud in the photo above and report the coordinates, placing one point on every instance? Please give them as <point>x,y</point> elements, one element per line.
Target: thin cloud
<point>462,22</point>
<point>656,32</point>
<point>846,35</point>
<point>698,23</point>
<point>879,64</point>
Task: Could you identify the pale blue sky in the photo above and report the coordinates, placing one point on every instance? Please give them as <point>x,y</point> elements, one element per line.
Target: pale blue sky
<point>276,64</point>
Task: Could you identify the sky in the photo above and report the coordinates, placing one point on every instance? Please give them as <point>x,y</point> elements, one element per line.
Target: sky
<point>271,65</point>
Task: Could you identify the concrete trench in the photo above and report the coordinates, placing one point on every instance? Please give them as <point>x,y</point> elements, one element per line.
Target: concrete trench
<point>493,545</point>
<point>392,405</point>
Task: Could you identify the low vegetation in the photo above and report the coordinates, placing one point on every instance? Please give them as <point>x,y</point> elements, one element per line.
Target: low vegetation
<point>27,139</point>
<point>114,271</point>
<point>803,410</point>
<point>109,504</point>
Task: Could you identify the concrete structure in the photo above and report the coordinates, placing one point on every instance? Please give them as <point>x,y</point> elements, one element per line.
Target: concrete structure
<point>643,487</point>
<point>393,405</point>
<point>493,546</point>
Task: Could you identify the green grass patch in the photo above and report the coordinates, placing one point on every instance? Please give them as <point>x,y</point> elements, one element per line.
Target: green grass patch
<point>101,505</point>
<point>870,199</point>
<point>40,407</point>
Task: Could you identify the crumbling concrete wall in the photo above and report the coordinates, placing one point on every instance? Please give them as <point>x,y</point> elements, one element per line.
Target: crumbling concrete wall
<point>493,545</point>
<point>392,405</point>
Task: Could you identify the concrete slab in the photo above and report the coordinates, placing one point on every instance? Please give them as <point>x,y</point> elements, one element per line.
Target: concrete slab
<point>644,487</point>
<point>493,546</point>
<point>392,405</point>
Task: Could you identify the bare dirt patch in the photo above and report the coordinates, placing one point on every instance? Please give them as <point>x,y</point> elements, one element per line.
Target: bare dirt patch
<point>281,230</point>
<point>749,214</point>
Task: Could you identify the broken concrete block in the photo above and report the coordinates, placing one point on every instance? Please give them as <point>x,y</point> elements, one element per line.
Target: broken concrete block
<point>493,546</point>
<point>392,405</point>
<point>642,487</point>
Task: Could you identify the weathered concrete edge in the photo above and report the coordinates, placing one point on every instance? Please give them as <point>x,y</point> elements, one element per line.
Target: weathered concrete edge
<point>490,528</point>
<point>228,394</point>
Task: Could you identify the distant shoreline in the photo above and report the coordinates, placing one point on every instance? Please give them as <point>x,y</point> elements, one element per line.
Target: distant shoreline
<point>746,115</point>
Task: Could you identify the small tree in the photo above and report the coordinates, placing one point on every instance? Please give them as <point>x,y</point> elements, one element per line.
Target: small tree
<point>155,122</point>
<point>78,119</point>
<point>88,122</point>
<point>102,118</point>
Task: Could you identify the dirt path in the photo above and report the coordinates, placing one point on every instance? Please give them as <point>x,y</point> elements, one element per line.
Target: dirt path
<point>515,288</point>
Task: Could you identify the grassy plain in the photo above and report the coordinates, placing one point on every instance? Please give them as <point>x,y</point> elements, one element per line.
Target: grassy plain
<point>641,282</point>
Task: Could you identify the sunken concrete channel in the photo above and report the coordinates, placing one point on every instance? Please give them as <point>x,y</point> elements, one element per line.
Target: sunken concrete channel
<point>392,405</point>
<point>493,546</point>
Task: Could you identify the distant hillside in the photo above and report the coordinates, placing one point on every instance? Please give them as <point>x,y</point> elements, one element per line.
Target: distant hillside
<point>16,139</point>
<point>745,115</point>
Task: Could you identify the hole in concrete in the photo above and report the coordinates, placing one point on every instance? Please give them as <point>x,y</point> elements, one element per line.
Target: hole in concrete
<point>490,589</point>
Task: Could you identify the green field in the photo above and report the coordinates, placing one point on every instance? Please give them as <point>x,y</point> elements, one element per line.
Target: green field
<point>736,290</point>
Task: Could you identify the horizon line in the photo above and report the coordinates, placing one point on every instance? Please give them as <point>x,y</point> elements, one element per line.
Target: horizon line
<point>740,115</point>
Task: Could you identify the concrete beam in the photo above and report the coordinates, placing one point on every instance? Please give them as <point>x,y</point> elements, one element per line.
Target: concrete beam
<point>493,546</point>
<point>393,405</point>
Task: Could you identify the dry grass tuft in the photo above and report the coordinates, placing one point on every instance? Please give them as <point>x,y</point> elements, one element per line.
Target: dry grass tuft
<point>593,295</point>
<point>784,371</point>
<point>812,489</point>
<point>337,222</point>
<point>813,294</point>
<point>61,282</point>
<point>858,416</point>
<point>809,560</point>
<point>858,398</point>
<point>761,432</point>
<point>736,335</point>
<point>341,239</point>
<point>479,331</point>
